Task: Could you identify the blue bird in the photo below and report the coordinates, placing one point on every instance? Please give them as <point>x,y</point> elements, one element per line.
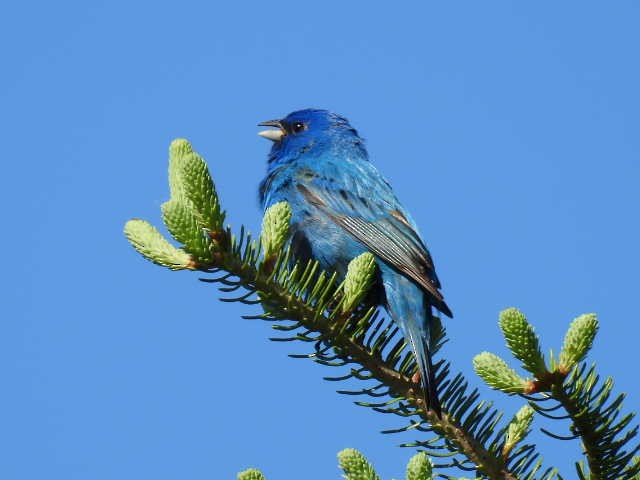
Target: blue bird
<point>342,207</point>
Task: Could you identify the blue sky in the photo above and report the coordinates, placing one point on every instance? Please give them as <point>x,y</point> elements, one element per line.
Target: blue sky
<point>509,130</point>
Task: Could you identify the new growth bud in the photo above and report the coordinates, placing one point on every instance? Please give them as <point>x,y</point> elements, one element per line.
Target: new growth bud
<point>578,341</point>
<point>251,474</point>
<point>192,215</point>
<point>358,281</point>
<point>355,466</point>
<point>498,375</point>
<point>420,467</point>
<point>275,228</point>
<point>523,341</point>
<point>518,429</point>
<point>150,243</point>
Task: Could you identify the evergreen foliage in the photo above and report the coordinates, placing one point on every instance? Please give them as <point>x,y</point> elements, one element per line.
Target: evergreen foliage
<point>275,229</point>
<point>356,467</point>
<point>596,420</point>
<point>251,474</point>
<point>420,467</point>
<point>359,279</point>
<point>309,306</point>
<point>497,374</point>
<point>578,341</point>
<point>522,341</point>
<point>518,429</point>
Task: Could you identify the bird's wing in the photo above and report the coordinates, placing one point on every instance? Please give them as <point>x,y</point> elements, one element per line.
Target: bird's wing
<point>382,227</point>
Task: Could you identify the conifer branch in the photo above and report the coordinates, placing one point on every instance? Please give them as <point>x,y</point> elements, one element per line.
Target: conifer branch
<point>310,306</point>
<point>575,388</point>
<point>356,467</point>
<point>334,329</point>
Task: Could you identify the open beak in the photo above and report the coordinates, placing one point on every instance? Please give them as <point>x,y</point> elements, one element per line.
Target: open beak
<point>273,135</point>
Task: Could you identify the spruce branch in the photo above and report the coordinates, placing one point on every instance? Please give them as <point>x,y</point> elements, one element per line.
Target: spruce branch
<point>348,340</point>
<point>308,306</point>
<point>596,419</point>
<point>356,467</point>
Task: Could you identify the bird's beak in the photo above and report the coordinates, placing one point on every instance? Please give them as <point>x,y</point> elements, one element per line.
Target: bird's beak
<point>273,135</point>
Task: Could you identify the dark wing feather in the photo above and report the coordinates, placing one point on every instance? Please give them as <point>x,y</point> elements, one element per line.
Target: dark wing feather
<point>386,233</point>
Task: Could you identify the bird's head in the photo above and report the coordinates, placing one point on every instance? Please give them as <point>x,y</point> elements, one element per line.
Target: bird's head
<point>302,130</point>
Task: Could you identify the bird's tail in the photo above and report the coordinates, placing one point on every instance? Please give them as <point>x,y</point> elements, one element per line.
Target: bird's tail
<point>420,345</point>
<point>410,309</point>
<point>429,384</point>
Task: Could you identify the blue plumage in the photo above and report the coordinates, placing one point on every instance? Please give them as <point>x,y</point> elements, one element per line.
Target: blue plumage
<point>342,207</point>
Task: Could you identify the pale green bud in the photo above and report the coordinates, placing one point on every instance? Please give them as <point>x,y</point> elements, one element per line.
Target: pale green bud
<point>498,375</point>
<point>518,429</point>
<point>177,151</point>
<point>355,466</point>
<point>199,189</point>
<point>150,243</point>
<point>420,467</point>
<point>179,218</point>
<point>189,179</point>
<point>251,474</point>
<point>578,341</point>
<point>523,341</point>
<point>358,281</point>
<point>275,228</point>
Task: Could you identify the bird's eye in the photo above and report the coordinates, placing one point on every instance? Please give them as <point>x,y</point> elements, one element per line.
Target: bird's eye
<point>298,127</point>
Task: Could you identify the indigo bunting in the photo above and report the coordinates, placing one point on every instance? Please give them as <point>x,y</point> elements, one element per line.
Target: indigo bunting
<point>342,207</point>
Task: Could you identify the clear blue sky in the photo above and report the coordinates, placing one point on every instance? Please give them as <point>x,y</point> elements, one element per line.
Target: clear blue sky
<point>510,131</point>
